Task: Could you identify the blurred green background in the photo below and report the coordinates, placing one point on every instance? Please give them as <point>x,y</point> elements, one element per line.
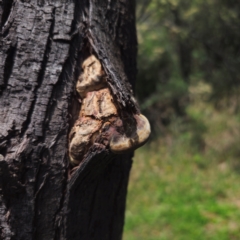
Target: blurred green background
<point>185,183</point>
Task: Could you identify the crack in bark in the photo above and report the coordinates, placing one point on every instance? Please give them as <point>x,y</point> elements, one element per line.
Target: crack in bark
<point>5,229</point>
<point>41,186</point>
<point>90,223</point>
<point>8,67</point>
<point>40,78</point>
<point>58,218</point>
<point>7,8</point>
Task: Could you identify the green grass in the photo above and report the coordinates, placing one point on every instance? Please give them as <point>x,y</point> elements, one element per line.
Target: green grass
<point>178,192</point>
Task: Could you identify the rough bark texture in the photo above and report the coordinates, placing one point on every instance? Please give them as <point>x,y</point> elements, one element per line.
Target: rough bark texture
<point>41,45</point>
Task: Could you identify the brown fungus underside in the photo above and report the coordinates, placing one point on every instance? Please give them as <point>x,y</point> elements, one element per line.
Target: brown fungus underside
<point>98,121</point>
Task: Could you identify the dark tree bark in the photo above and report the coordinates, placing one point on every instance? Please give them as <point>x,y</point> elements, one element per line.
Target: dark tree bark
<point>42,43</point>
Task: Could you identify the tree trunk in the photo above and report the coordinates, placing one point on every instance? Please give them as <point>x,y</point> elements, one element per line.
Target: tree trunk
<point>42,43</point>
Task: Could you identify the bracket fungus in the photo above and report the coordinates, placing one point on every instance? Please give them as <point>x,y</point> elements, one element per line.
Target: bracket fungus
<point>99,121</point>
<point>121,143</point>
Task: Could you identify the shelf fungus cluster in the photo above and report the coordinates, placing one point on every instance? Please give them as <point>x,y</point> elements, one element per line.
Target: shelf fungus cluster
<point>99,121</point>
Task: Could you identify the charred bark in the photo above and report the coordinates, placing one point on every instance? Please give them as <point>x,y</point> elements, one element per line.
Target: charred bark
<point>42,43</point>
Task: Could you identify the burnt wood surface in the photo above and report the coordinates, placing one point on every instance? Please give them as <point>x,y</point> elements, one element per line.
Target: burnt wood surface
<point>41,45</point>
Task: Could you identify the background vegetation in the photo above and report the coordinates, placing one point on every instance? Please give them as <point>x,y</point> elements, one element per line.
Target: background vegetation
<point>185,183</point>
